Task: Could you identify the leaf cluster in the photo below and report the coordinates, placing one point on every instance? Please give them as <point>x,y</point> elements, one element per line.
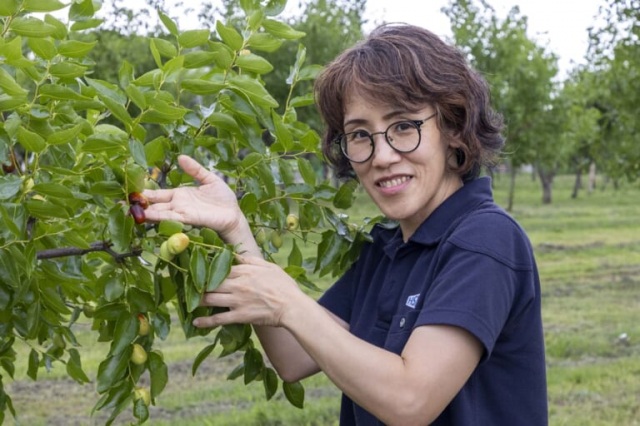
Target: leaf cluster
<point>74,146</point>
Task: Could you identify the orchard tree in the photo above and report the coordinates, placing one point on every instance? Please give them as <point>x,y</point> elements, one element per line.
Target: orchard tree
<point>614,55</point>
<point>76,152</point>
<point>519,71</point>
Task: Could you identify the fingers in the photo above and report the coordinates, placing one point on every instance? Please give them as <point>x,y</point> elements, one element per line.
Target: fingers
<point>158,195</point>
<point>196,170</point>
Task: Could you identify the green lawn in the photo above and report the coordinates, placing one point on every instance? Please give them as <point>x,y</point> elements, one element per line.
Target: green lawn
<point>588,251</point>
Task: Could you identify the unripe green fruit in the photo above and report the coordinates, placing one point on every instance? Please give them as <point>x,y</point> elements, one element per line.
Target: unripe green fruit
<point>276,239</point>
<point>292,222</point>
<point>143,394</point>
<point>261,236</point>
<point>165,254</point>
<point>138,355</point>
<point>144,327</point>
<point>177,243</point>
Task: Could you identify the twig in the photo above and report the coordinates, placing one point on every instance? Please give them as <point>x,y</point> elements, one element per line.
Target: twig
<point>77,251</point>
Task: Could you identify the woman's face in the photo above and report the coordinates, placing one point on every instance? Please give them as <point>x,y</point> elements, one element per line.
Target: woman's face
<point>406,187</point>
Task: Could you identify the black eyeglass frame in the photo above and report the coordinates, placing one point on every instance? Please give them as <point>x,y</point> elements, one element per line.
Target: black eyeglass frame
<point>417,123</point>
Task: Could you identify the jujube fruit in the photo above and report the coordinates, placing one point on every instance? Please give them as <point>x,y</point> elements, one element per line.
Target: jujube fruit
<point>143,394</point>
<point>137,212</point>
<point>165,254</point>
<point>177,243</point>
<point>292,222</point>
<point>138,198</point>
<point>261,236</point>
<point>276,239</point>
<point>138,354</point>
<point>144,328</point>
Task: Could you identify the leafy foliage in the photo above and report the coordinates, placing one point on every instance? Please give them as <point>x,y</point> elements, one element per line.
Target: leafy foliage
<point>74,146</point>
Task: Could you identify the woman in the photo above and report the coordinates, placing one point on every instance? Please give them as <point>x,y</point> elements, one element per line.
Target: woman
<point>438,322</point>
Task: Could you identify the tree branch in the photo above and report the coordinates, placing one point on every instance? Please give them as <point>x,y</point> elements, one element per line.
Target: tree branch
<point>77,251</point>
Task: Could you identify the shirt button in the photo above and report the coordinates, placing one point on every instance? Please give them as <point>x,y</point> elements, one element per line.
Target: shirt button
<point>402,320</point>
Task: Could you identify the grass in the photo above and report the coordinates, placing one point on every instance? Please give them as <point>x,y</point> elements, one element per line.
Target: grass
<point>588,252</point>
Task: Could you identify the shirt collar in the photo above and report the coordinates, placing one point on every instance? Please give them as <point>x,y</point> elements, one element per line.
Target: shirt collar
<point>467,198</point>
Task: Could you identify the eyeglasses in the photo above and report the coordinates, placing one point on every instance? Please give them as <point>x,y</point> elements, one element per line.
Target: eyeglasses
<point>402,136</point>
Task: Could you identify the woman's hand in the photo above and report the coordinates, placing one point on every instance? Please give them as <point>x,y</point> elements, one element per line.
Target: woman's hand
<point>256,292</point>
<point>212,204</point>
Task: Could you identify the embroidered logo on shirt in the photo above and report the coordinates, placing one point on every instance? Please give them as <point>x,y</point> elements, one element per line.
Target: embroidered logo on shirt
<point>412,300</point>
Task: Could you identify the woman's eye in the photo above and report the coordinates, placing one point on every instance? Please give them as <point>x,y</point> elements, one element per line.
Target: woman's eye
<point>404,126</point>
<point>359,136</point>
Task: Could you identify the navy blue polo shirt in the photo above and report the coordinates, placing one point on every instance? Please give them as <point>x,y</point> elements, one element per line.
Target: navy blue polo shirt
<point>469,265</point>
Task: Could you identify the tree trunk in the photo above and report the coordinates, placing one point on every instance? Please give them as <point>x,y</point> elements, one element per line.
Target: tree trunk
<point>577,184</point>
<point>592,177</point>
<point>546,179</point>
<point>512,188</point>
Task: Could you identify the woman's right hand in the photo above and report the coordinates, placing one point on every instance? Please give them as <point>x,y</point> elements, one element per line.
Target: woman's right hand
<point>211,204</point>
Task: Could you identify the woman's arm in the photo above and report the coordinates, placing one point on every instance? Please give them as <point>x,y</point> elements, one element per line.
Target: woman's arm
<point>411,388</point>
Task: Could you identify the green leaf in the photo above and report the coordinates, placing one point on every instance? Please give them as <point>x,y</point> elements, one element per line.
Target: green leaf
<point>118,110</point>
<point>31,27</point>
<point>43,47</point>
<point>264,42</point>
<point>229,35</point>
<point>345,195</point>
<point>283,135</point>
<point>328,252</point>
<point>202,355</point>
<point>81,10</point>
<point>75,48</point>
<point>9,186</point>
<point>112,370</point>
<point>86,25</point>
<point>253,90</point>
<point>9,85</point>
<point>140,411</point>
<point>124,334</point>
<point>295,393</point>
<point>164,47</point>
<point>223,121</point>
<point>254,63</point>
<point>199,59</point>
<point>281,30</point>
<point>61,29</point>
<point>31,141</point>
<point>219,268</point>
<point>193,38</point>
<point>307,171</point>
<point>46,210</point>
<point>74,367</point>
<point>198,268</point>
<point>159,373</point>
<point>32,369</point>
<point>62,93</point>
<point>202,87</point>
<point>67,70</point>
<point>270,382</point>
<point>42,5</point>
<point>8,8</point>
<point>253,365</point>
<point>136,95</point>
<point>53,189</point>
<point>65,136</point>
<point>295,257</point>
<point>169,24</point>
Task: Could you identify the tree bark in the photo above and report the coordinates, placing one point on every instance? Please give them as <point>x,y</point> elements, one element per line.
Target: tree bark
<point>512,188</point>
<point>546,179</point>
<point>577,184</point>
<point>592,177</point>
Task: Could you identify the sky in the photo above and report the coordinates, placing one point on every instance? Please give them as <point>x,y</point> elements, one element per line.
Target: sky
<point>559,24</point>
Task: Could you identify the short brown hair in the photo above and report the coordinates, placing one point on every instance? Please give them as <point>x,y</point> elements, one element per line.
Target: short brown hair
<point>410,66</point>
